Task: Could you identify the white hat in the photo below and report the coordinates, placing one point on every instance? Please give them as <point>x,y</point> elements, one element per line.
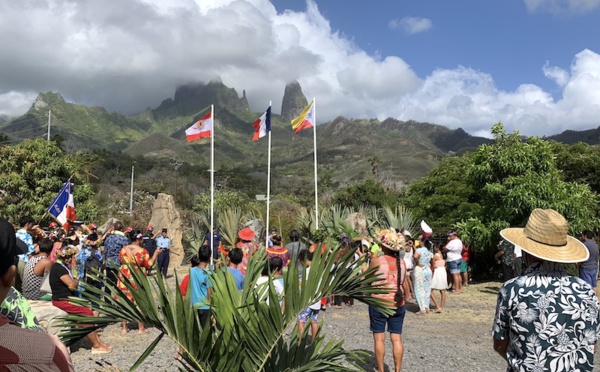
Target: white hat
<point>425,227</point>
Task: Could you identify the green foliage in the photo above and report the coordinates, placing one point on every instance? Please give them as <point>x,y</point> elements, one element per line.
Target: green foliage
<point>370,192</point>
<point>445,195</point>
<point>252,335</point>
<point>579,163</point>
<point>224,199</point>
<point>498,186</point>
<point>31,174</point>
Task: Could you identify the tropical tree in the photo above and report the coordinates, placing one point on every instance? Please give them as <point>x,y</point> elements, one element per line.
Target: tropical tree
<point>31,174</point>
<point>251,335</point>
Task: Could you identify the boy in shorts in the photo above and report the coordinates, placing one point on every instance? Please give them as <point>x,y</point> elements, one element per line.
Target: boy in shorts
<point>311,312</point>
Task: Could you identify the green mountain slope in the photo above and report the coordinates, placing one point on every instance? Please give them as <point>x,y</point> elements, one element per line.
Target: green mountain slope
<point>404,151</point>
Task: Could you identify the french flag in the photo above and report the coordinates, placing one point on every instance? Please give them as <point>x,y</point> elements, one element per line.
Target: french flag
<point>63,206</point>
<point>262,125</point>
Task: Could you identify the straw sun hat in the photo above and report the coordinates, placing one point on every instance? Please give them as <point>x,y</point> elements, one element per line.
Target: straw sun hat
<point>545,236</point>
<point>390,239</point>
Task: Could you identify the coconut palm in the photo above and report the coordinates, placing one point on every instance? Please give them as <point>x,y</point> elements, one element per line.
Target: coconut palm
<point>251,334</point>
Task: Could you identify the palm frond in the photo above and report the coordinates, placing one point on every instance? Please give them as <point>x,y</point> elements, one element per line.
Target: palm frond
<point>251,334</point>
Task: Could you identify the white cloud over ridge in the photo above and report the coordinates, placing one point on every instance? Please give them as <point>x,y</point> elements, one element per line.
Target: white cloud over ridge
<point>561,6</point>
<point>128,55</point>
<point>411,25</point>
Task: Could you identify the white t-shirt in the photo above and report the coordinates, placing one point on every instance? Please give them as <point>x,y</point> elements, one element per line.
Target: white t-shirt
<point>265,290</point>
<point>454,247</point>
<point>316,305</point>
<point>518,252</point>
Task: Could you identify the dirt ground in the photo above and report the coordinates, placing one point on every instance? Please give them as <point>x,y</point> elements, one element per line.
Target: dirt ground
<point>456,340</point>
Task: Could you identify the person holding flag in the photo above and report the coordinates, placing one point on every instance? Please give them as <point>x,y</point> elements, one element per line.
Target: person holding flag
<point>63,207</point>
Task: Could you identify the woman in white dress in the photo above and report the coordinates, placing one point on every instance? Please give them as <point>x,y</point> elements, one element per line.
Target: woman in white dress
<point>439,281</point>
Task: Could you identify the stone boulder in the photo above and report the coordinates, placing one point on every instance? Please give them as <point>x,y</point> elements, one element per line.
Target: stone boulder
<point>107,225</point>
<point>258,226</point>
<point>166,215</point>
<point>358,222</point>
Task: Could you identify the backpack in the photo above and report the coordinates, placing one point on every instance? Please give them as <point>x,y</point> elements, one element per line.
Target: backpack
<point>91,263</point>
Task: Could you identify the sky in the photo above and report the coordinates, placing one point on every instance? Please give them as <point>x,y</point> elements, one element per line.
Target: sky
<point>532,64</point>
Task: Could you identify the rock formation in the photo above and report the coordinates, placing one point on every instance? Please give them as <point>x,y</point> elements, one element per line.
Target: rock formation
<point>358,222</point>
<point>165,215</point>
<point>293,101</point>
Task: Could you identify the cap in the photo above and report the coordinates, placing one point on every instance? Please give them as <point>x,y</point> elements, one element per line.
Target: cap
<point>93,226</point>
<point>164,230</point>
<point>452,233</point>
<point>149,228</point>
<point>52,225</point>
<point>129,228</point>
<point>273,229</point>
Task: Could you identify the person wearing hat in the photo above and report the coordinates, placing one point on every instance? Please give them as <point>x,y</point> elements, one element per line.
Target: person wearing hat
<point>392,271</point>
<point>23,349</point>
<point>247,245</point>
<point>546,319</point>
<point>454,258</point>
<point>273,231</point>
<point>163,243</point>
<point>149,242</point>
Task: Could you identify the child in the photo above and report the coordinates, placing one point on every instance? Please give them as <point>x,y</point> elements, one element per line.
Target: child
<point>183,287</point>
<point>235,258</point>
<point>274,266</point>
<point>200,286</point>
<point>440,279</point>
<point>312,312</point>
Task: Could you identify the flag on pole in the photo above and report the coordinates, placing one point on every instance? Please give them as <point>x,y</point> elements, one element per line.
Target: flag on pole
<point>201,129</point>
<point>262,125</point>
<point>306,119</point>
<point>63,207</point>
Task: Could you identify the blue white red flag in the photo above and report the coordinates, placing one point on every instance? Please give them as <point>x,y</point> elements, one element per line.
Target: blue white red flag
<point>262,125</point>
<point>63,206</point>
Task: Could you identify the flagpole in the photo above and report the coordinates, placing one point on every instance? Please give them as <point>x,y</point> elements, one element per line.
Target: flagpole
<point>315,151</point>
<point>212,183</point>
<point>268,186</point>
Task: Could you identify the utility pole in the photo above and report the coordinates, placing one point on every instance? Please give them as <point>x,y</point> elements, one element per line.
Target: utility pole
<point>131,193</point>
<point>49,120</point>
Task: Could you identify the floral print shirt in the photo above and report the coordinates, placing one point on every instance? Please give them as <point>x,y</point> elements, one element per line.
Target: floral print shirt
<point>550,319</point>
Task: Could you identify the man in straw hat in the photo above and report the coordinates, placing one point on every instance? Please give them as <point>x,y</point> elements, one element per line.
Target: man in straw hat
<point>546,320</point>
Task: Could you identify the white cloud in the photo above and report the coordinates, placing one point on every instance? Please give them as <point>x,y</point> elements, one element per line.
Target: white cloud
<point>561,6</point>
<point>128,55</point>
<point>557,74</point>
<point>411,25</point>
<point>469,99</point>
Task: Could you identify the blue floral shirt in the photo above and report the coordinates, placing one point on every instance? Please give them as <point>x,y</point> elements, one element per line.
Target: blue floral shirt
<point>112,248</point>
<point>27,239</point>
<point>83,255</point>
<point>550,319</point>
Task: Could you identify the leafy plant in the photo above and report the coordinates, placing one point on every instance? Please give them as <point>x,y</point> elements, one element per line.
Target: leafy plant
<point>251,334</point>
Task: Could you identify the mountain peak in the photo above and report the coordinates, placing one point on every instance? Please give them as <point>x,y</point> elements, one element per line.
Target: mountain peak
<point>293,101</point>
<point>45,100</point>
<point>191,98</point>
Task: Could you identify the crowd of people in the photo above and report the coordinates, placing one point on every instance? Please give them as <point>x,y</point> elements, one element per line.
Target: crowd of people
<point>49,265</point>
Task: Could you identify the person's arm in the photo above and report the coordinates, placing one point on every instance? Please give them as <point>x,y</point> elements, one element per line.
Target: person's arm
<point>69,282</point>
<point>42,266</point>
<point>86,229</point>
<point>499,254</point>
<point>153,258</point>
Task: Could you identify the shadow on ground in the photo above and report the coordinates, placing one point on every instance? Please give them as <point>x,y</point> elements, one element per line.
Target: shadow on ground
<point>368,363</point>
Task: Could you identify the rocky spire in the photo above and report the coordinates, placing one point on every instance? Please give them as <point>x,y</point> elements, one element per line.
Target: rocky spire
<point>293,101</point>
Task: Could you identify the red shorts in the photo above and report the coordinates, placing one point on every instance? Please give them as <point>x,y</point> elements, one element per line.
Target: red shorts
<point>70,308</point>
